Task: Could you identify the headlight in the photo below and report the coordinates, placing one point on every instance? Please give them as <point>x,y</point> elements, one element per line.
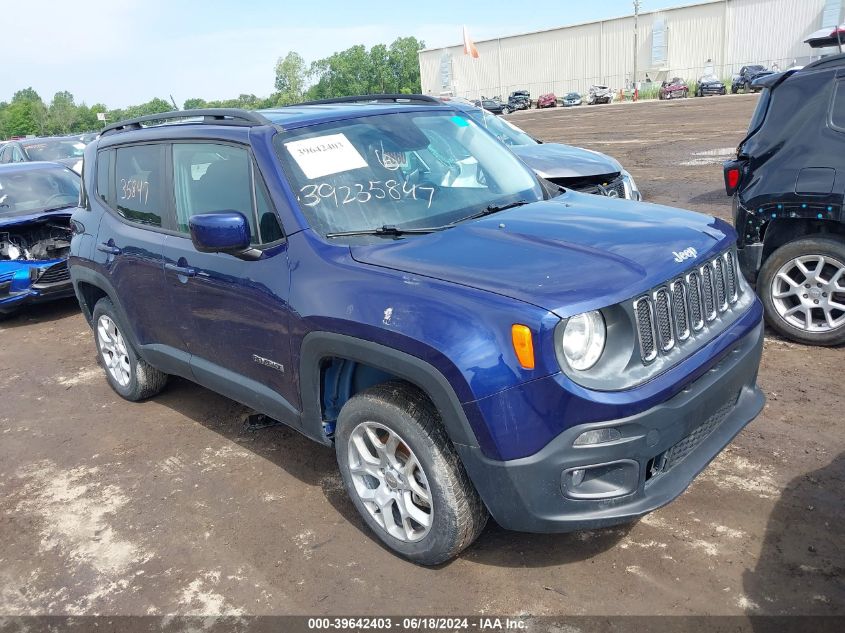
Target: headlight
<point>632,192</point>
<point>582,341</point>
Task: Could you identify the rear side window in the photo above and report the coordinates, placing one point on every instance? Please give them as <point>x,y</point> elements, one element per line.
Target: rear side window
<point>139,183</point>
<point>837,108</point>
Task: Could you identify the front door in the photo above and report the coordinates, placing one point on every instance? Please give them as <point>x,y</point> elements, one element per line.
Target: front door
<point>233,314</point>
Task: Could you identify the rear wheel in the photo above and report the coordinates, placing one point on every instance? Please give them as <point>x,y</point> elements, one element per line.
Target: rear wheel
<point>127,373</point>
<point>802,285</point>
<point>403,475</point>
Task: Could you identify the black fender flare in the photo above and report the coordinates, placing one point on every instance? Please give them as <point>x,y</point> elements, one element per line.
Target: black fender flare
<point>319,345</point>
<point>87,275</point>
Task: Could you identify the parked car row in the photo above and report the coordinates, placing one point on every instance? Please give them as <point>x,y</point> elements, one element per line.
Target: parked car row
<point>67,150</point>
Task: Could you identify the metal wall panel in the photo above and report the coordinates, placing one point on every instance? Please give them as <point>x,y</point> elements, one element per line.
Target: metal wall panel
<point>731,33</point>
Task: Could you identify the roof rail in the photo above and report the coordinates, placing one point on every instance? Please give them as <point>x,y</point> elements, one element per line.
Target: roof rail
<point>376,98</point>
<point>213,116</point>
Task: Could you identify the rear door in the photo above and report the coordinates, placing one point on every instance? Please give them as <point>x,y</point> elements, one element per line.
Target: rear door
<point>128,249</point>
<point>234,314</point>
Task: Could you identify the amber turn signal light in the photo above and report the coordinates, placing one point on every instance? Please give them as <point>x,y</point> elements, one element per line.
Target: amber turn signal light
<point>523,345</point>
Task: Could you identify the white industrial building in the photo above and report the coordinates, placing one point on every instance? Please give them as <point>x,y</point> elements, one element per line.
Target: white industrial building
<point>671,42</point>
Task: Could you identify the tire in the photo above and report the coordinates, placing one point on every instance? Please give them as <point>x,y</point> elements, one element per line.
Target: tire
<point>733,90</point>
<point>456,514</point>
<point>506,110</point>
<point>128,374</point>
<point>781,297</point>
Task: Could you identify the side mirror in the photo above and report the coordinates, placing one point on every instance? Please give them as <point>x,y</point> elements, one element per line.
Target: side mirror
<point>222,232</point>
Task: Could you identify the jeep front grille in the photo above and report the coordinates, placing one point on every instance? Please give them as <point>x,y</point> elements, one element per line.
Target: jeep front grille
<point>677,311</point>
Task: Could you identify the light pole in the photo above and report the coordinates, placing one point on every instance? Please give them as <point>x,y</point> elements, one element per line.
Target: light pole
<point>636,34</point>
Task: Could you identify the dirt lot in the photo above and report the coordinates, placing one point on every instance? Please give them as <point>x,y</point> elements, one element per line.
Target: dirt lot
<point>172,506</point>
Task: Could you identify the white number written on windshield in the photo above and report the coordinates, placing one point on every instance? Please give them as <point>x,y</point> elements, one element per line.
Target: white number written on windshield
<point>313,194</point>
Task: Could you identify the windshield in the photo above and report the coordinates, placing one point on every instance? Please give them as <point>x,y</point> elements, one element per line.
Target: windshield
<point>55,149</point>
<point>36,190</point>
<point>503,130</point>
<point>710,77</point>
<point>406,170</point>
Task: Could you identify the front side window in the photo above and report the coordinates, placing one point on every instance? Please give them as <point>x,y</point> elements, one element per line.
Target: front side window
<point>211,177</point>
<point>139,183</point>
<point>407,170</point>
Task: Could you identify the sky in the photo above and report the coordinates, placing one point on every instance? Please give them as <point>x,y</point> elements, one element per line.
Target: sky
<point>125,52</point>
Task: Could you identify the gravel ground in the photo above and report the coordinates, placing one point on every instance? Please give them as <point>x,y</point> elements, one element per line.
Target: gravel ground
<point>173,507</point>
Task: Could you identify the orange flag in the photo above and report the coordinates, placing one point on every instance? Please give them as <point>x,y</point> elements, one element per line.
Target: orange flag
<point>469,45</point>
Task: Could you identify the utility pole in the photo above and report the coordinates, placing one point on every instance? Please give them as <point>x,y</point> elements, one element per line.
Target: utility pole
<point>636,37</point>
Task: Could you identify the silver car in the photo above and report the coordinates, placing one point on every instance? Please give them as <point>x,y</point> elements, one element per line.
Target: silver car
<point>572,167</point>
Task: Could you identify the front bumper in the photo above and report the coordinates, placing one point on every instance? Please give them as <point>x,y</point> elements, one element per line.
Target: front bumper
<point>659,453</point>
<point>53,283</point>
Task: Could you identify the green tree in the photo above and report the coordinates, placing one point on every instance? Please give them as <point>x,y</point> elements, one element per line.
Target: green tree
<point>63,113</point>
<point>384,79</point>
<point>291,76</point>
<point>347,72</point>
<point>405,64</point>
<point>194,104</point>
<point>20,118</point>
<point>154,106</point>
<point>357,71</point>
<point>27,114</point>
<point>27,94</point>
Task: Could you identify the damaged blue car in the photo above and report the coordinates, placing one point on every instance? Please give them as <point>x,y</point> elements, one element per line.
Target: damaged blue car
<point>36,202</point>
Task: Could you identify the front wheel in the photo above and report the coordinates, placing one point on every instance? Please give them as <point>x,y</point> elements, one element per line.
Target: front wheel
<point>802,286</point>
<point>403,475</point>
<point>506,110</point>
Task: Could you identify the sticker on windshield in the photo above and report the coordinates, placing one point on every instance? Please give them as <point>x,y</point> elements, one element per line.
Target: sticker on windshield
<point>323,155</point>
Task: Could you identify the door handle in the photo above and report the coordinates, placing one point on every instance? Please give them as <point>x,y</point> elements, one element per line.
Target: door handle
<point>108,248</point>
<point>187,271</point>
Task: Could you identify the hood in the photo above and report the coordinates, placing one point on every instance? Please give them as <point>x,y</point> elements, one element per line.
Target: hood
<point>574,253</point>
<point>23,219</point>
<point>553,160</point>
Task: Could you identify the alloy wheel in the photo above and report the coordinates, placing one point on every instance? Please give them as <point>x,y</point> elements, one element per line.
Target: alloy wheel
<point>113,350</point>
<point>390,481</point>
<point>808,292</point>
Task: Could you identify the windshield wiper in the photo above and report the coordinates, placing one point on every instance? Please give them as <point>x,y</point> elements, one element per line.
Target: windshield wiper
<point>493,208</point>
<point>388,230</point>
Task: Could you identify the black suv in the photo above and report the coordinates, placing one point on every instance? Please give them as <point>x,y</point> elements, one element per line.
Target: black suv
<point>787,183</point>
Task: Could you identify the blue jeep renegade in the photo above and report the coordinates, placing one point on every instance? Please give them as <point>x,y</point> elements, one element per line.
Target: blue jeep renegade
<point>390,279</point>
